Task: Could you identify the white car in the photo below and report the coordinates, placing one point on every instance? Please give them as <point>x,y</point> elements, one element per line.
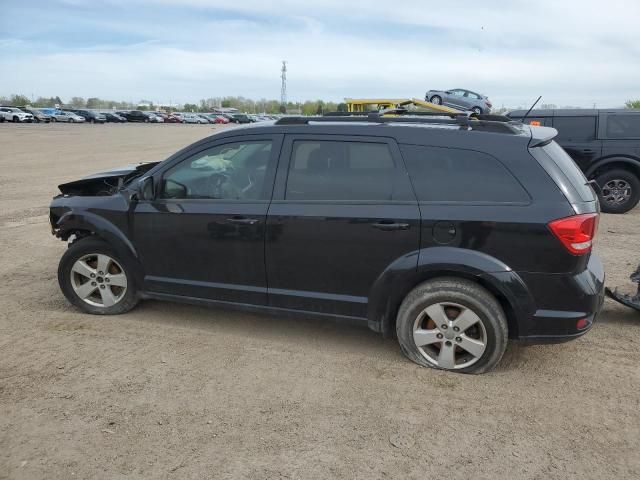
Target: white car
<point>69,117</point>
<point>13,114</point>
<point>192,118</point>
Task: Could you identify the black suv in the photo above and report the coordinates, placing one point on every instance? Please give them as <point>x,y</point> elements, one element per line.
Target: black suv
<point>135,116</point>
<point>606,146</point>
<point>454,234</point>
<point>89,115</point>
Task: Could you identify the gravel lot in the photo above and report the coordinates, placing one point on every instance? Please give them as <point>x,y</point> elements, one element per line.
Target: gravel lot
<point>176,391</point>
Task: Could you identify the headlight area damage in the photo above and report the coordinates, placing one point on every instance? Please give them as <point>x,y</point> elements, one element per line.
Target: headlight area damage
<point>630,300</point>
<point>104,183</point>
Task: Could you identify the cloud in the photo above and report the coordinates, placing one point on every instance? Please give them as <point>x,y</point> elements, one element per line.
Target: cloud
<point>190,49</point>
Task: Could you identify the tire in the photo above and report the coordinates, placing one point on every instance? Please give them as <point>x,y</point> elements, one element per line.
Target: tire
<point>448,298</point>
<point>85,254</point>
<point>92,121</point>
<point>71,120</point>
<point>53,120</point>
<point>619,190</point>
<point>436,100</point>
<point>16,119</point>
<point>477,110</point>
<point>146,120</point>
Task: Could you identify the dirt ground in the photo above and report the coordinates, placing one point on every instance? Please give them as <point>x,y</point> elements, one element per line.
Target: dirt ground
<point>177,391</point>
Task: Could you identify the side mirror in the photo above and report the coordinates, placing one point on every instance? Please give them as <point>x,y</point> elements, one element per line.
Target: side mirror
<point>145,188</point>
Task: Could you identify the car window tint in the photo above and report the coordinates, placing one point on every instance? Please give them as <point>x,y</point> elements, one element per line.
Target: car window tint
<point>329,170</point>
<point>455,175</point>
<point>623,126</point>
<point>575,129</point>
<point>233,171</point>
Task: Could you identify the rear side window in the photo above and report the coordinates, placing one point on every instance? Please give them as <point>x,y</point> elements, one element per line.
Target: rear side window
<point>575,129</point>
<point>563,164</point>
<point>331,170</point>
<point>455,175</point>
<point>623,126</point>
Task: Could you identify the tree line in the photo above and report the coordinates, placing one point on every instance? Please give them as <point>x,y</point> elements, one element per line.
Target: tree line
<point>243,104</point>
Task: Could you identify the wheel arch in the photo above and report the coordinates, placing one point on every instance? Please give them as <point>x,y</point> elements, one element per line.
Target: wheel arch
<point>87,224</point>
<point>395,283</point>
<point>609,163</point>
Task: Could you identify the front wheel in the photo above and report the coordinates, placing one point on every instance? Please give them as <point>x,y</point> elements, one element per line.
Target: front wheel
<point>477,110</point>
<point>619,191</point>
<point>452,324</point>
<point>436,100</point>
<point>71,120</point>
<point>96,279</point>
<point>16,119</point>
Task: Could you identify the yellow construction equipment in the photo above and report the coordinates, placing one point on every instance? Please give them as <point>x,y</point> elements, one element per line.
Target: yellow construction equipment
<point>372,104</point>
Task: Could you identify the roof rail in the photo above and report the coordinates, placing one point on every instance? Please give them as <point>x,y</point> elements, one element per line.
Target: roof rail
<point>465,120</point>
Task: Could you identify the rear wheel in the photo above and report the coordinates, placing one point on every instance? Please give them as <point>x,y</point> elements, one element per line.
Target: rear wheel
<point>436,100</point>
<point>477,110</point>
<point>452,324</point>
<point>96,279</point>
<point>619,191</point>
<point>71,120</point>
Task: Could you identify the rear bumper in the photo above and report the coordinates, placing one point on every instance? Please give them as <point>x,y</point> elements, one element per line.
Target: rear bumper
<point>566,306</point>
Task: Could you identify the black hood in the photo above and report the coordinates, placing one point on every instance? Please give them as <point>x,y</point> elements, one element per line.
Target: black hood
<point>105,183</point>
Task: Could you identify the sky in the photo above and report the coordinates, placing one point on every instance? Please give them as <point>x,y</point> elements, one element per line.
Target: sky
<point>572,52</point>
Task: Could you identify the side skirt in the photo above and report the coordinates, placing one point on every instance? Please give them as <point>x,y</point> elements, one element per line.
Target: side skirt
<point>265,309</point>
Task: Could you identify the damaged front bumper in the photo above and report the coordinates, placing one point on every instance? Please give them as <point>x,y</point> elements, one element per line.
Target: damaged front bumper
<point>627,299</point>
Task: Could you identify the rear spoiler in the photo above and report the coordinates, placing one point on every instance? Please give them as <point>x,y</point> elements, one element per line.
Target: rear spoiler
<point>540,136</point>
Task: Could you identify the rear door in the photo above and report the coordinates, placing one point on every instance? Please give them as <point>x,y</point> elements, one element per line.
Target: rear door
<point>343,211</point>
<point>577,135</point>
<point>456,99</point>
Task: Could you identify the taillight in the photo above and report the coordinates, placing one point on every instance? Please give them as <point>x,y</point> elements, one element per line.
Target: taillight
<point>577,232</point>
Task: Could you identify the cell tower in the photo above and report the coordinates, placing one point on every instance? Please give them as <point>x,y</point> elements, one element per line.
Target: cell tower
<point>283,88</point>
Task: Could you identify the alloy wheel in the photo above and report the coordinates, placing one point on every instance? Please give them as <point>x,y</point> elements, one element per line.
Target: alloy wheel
<point>449,335</point>
<point>99,280</point>
<point>616,192</point>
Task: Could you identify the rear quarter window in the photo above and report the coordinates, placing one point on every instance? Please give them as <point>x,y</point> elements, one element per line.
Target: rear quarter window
<point>451,175</point>
<point>575,129</point>
<point>559,164</point>
<point>623,126</point>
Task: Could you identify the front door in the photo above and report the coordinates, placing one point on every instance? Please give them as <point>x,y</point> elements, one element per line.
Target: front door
<point>203,234</point>
<point>577,135</point>
<point>343,211</point>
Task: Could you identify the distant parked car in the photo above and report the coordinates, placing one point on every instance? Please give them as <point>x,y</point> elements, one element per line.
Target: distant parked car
<point>68,117</point>
<point>14,114</point>
<point>38,116</point>
<point>207,117</point>
<point>135,116</point>
<point>154,117</point>
<point>113,117</point>
<point>241,118</point>
<point>89,115</point>
<point>460,99</point>
<point>221,119</point>
<point>173,118</point>
<point>192,118</point>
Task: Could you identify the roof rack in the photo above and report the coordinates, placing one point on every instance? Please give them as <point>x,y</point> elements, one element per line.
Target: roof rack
<point>495,123</point>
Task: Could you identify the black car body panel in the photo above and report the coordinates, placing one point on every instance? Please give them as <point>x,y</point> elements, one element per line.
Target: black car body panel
<point>352,259</point>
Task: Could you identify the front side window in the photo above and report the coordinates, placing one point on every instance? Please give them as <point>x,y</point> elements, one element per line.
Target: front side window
<point>455,175</point>
<point>334,170</point>
<point>623,126</point>
<point>458,93</point>
<point>233,171</point>
<point>575,129</point>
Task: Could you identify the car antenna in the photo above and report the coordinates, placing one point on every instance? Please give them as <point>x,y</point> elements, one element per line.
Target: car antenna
<point>529,111</point>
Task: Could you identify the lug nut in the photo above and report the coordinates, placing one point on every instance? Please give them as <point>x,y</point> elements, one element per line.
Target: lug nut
<point>456,329</point>
<point>93,275</point>
<point>101,286</point>
<point>439,335</point>
<point>444,327</point>
<point>93,284</point>
<point>447,343</point>
<point>100,273</point>
<point>106,280</point>
<point>458,339</point>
